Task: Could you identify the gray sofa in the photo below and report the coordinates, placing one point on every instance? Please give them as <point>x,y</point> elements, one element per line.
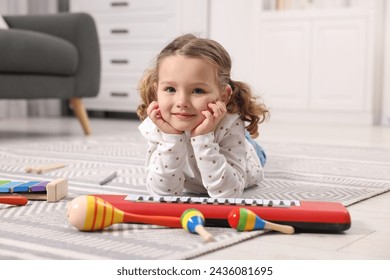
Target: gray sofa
<point>51,56</point>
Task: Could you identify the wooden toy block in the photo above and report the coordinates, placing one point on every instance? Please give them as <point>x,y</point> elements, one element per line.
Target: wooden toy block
<point>57,190</point>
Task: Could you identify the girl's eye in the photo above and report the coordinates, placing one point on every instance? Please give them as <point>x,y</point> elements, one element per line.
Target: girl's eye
<point>198,91</point>
<point>170,90</point>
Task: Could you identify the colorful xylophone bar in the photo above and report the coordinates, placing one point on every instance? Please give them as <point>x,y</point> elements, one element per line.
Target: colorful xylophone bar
<point>52,191</point>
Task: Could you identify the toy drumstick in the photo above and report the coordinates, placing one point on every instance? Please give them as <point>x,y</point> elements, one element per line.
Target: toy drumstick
<point>44,168</point>
<point>13,199</point>
<point>89,213</point>
<point>244,219</point>
<point>192,220</point>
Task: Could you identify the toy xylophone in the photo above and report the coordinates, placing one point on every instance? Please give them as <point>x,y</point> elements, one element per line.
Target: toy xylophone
<point>51,191</point>
<point>302,215</point>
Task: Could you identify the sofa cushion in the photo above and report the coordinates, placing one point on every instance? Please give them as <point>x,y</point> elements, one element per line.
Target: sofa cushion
<point>31,52</point>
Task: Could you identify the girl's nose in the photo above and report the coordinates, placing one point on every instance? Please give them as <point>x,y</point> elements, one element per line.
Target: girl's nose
<point>182,100</point>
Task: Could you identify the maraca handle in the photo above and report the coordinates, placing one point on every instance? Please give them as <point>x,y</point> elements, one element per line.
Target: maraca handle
<point>166,221</point>
<point>13,200</point>
<point>199,229</point>
<point>280,228</point>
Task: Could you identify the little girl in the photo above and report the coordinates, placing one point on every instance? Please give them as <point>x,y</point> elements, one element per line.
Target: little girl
<point>198,123</point>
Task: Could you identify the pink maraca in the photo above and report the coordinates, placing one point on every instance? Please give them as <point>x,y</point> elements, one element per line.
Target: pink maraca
<point>244,219</point>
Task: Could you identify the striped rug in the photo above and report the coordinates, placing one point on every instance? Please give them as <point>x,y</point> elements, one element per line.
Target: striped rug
<point>40,230</point>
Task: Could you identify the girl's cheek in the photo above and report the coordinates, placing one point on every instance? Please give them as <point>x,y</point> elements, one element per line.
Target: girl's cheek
<point>207,102</point>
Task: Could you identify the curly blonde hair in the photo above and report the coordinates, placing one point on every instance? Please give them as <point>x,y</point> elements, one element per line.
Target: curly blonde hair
<point>242,100</point>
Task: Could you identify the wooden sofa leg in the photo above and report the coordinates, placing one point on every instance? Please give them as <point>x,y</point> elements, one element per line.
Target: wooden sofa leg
<point>81,114</point>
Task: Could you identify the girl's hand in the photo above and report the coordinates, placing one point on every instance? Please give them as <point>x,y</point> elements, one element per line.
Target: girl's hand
<point>154,114</point>
<point>212,118</point>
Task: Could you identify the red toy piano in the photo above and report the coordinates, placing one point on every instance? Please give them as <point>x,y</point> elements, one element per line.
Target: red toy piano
<point>304,216</point>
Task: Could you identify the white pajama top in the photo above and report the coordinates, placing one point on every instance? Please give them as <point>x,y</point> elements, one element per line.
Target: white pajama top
<point>220,163</point>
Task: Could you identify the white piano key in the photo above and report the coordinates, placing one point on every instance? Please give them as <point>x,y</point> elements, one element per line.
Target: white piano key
<point>175,198</point>
<point>248,201</point>
<point>196,199</point>
<point>132,197</point>
<point>166,198</point>
<point>258,202</point>
<point>296,203</point>
<point>216,201</point>
<point>276,202</point>
<point>287,202</point>
<point>240,201</point>
<point>221,200</point>
<point>231,200</point>
<point>281,204</point>
<point>184,199</point>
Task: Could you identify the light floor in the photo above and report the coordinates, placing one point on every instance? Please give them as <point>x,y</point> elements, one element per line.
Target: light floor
<point>368,238</point>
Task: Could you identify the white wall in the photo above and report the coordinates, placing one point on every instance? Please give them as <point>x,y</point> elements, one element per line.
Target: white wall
<point>386,72</point>
<point>232,25</point>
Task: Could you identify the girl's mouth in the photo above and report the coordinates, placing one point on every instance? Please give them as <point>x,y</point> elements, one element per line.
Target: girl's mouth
<point>183,115</point>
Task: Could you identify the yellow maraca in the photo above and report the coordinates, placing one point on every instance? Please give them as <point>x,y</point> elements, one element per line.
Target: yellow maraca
<point>90,213</point>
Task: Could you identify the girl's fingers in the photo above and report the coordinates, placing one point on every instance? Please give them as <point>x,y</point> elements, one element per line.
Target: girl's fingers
<point>219,104</point>
<point>207,125</point>
<point>218,109</point>
<point>153,111</point>
<point>155,115</point>
<point>152,106</point>
<point>208,115</point>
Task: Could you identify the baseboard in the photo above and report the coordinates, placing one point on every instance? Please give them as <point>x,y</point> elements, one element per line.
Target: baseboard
<point>316,117</point>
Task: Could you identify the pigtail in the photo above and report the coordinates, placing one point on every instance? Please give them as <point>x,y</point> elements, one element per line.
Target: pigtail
<point>244,103</point>
<point>147,91</point>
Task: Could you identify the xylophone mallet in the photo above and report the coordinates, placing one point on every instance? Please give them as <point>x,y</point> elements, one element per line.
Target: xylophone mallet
<point>44,168</point>
<point>244,219</point>
<point>13,199</point>
<point>90,213</point>
<point>193,221</point>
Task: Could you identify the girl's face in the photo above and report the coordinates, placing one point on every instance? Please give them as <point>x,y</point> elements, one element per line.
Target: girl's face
<point>185,87</point>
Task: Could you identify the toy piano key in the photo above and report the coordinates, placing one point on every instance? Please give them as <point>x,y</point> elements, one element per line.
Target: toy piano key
<point>51,191</point>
